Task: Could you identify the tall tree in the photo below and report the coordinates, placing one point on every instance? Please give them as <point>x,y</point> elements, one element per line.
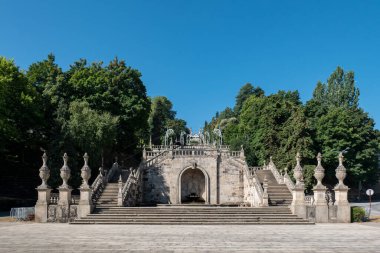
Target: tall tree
<point>19,115</point>
<point>351,130</point>
<point>339,124</point>
<point>275,126</point>
<point>162,117</point>
<point>161,113</point>
<point>245,92</point>
<point>340,90</point>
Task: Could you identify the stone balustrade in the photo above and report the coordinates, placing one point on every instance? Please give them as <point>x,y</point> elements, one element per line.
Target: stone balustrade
<point>63,206</point>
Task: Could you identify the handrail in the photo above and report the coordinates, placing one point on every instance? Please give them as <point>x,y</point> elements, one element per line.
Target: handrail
<point>258,186</point>
<point>150,161</point>
<point>251,174</point>
<point>272,167</point>
<point>97,182</point>
<point>288,181</point>
<point>97,186</point>
<point>133,178</point>
<point>126,187</point>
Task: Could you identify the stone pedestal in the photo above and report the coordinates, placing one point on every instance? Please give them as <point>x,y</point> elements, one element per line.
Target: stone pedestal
<point>321,207</point>
<point>41,208</point>
<point>343,207</point>
<point>85,206</point>
<point>298,205</point>
<point>64,196</point>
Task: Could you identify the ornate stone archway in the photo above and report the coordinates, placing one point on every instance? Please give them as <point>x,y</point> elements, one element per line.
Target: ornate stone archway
<point>193,181</point>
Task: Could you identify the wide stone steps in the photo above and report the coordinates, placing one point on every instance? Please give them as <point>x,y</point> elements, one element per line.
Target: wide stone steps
<point>109,196</point>
<point>279,194</point>
<point>191,215</point>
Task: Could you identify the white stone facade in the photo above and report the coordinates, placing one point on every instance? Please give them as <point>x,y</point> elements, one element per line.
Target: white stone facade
<point>210,174</point>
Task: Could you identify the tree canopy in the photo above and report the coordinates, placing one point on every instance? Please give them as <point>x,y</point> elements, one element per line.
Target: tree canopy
<point>161,118</point>
<point>279,125</point>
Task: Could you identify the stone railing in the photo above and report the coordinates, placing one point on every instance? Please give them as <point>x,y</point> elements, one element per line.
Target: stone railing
<point>130,190</point>
<point>97,187</point>
<point>235,153</point>
<point>159,147</point>
<point>75,199</point>
<point>191,152</point>
<point>288,181</point>
<point>224,147</point>
<point>253,181</point>
<point>309,200</point>
<point>126,187</point>
<point>272,167</point>
<point>152,160</point>
<point>252,170</point>
<point>153,153</point>
<point>258,186</point>
<point>54,198</point>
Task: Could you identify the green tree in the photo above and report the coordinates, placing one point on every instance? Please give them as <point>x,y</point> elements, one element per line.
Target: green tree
<point>19,115</point>
<point>161,113</point>
<point>351,130</point>
<point>338,123</point>
<point>245,92</point>
<point>275,126</point>
<point>91,129</point>
<point>340,90</point>
<point>111,91</point>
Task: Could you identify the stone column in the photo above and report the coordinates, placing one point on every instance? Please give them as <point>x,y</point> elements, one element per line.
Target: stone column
<point>341,191</point>
<point>265,194</point>
<point>64,192</point>
<point>321,208</point>
<point>298,205</point>
<point>41,208</point>
<point>85,202</point>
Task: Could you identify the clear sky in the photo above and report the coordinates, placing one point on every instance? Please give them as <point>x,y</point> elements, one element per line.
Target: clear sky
<point>199,53</point>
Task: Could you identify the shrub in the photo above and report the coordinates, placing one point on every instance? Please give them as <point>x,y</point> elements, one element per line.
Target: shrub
<point>357,214</point>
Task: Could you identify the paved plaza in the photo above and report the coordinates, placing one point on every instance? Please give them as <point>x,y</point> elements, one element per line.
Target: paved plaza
<point>33,237</point>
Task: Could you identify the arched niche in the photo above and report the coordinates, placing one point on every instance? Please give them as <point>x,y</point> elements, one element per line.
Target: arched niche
<point>193,182</point>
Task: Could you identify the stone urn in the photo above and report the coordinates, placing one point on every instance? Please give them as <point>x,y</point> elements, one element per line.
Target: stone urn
<point>319,172</point>
<point>65,172</point>
<point>85,172</point>
<point>340,171</point>
<point>298,170</point>
<point>44,172</point>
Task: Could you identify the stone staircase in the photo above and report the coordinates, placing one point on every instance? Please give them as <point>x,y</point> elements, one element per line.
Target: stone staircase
<point>279,194</point>
<point>107,212</point>
<point>192,215</point>
<point>109,196</point>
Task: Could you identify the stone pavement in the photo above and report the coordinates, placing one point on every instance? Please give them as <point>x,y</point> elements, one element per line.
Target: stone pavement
<point>33,237</point>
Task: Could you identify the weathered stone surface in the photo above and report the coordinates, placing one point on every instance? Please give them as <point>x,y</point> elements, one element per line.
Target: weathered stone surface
<point>209,173</point>
<point>34,237</point>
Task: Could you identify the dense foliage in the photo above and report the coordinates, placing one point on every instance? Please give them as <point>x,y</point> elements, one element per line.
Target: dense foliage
<point>102,110</point>
<point>357,214</point>
<point>161,118</point>
<point>280,125</point>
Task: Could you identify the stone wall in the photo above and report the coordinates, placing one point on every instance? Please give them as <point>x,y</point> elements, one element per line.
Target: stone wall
<point>163,181</point>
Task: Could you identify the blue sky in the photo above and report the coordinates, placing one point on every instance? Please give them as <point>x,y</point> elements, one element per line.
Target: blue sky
<point>199,53</point>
